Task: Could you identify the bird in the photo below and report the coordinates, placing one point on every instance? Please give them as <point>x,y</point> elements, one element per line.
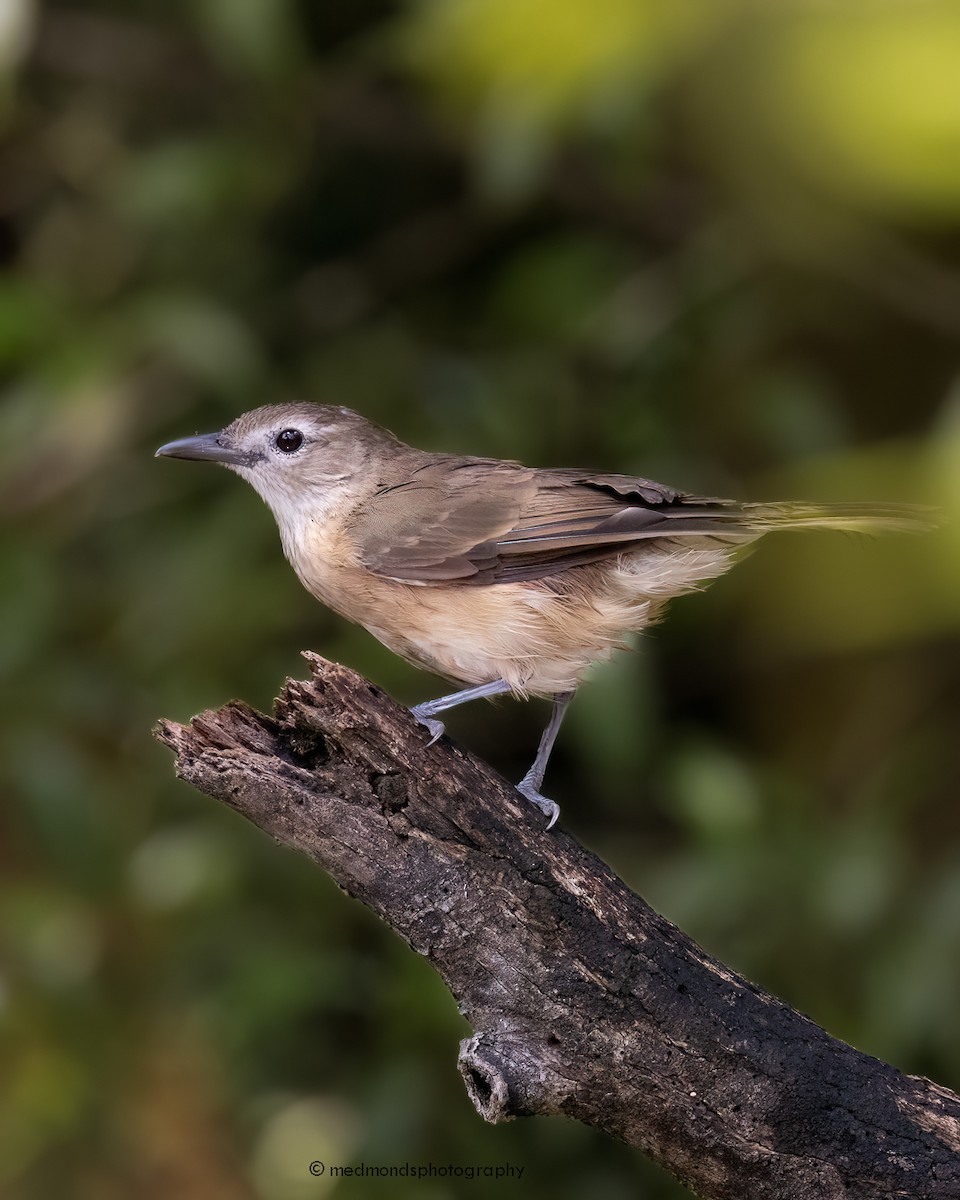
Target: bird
<point>498,577</point>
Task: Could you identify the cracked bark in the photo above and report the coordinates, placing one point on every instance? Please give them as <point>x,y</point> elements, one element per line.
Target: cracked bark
<point>584,1001</point>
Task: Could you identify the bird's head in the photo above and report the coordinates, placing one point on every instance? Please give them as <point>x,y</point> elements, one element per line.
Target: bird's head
<point>301,458</point>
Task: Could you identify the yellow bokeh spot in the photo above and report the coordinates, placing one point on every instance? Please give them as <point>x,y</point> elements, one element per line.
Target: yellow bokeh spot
<point>867,99</point>
<point>545,57</point>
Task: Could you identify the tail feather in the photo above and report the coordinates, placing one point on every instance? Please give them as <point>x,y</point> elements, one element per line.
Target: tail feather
<point>854,518</point>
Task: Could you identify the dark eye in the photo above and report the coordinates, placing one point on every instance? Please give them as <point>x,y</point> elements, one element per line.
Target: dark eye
<point>288,440</point>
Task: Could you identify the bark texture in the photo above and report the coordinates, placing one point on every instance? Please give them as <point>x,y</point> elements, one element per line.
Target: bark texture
<point>584,1001</point>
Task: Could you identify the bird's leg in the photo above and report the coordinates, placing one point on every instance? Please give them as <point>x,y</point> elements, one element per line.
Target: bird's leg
<point>529,785</point>
<point>427,711</point>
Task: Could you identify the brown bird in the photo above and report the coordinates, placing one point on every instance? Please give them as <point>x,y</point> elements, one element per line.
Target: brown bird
<point>489,573</point>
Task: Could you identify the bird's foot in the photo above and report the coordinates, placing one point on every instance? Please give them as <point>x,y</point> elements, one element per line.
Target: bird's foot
<point>435,727</point>
<point>549,808</point>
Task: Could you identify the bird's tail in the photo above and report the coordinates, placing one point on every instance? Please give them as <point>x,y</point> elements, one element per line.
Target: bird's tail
<point>734,521</point>
<point>854,518</point>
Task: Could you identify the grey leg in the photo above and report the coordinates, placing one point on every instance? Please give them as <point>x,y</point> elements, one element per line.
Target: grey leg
<point>428,710</point>
<point>529,785</point>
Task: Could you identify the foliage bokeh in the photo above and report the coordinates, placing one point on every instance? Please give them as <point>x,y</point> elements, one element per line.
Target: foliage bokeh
<point>713,244</point>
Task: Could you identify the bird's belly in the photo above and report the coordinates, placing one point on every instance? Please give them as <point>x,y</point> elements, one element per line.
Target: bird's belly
<point>539,639</point>
<point>510,632</point>
<point>540,635</point>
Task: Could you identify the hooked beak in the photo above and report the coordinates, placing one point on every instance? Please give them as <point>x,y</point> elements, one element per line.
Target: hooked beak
<point>207,447</point>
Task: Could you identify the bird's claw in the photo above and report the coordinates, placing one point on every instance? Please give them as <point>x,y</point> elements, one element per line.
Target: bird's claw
<point>549,808</point>
<point>431,724</point>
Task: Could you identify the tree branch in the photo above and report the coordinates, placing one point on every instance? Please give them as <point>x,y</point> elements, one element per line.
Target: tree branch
<point>585,1002</point>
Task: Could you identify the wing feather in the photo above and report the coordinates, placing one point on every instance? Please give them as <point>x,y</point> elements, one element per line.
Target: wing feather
<point>482,521</point>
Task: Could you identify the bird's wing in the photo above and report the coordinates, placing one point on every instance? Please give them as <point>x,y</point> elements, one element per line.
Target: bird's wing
<point>477,521</point>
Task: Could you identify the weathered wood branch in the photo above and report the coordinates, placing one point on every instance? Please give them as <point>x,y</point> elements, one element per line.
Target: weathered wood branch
<point>584,1001</point>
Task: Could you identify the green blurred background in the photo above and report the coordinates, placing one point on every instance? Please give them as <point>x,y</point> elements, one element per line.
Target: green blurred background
<point>714,243</point>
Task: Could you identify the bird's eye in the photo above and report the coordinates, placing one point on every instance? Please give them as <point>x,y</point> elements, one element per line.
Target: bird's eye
<point>288,440</point>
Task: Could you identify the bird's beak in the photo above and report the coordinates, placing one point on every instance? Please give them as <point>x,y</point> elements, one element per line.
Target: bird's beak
<point>207,447</point>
